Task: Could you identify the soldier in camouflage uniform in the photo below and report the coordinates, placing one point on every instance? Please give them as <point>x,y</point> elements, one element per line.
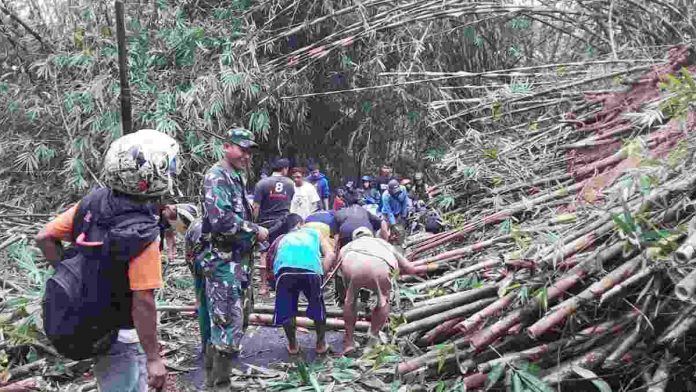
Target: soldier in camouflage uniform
<point>227,239</point>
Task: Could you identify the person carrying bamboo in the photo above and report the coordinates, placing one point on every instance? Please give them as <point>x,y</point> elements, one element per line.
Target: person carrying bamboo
<point>298,268</point>
<point>369,263</point>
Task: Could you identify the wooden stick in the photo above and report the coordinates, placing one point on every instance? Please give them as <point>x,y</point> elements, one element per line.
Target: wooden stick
<point>126,110</point>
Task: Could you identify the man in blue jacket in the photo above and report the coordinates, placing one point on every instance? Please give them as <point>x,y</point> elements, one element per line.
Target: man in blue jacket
<point>395,205</point>
<point>320,182</point>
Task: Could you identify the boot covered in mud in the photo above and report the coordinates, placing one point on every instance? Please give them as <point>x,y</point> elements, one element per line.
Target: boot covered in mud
<point>221,370</point>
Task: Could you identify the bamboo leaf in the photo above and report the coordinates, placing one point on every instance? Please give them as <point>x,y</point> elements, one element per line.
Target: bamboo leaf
<point>494,375</point>
<point>601,385</point>
<point>516,383</point>
<point>533,383</point>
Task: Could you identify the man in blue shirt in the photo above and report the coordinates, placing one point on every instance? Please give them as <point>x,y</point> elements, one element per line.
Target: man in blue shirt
<point>395,203</point>
<point>320,182</point>
<point>297,267</point>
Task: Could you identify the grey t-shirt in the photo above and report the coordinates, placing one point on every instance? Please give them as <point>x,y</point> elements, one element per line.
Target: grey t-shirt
<point>273,195</point>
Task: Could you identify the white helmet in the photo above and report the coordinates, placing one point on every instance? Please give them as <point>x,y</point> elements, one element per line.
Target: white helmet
<point>143,163</point>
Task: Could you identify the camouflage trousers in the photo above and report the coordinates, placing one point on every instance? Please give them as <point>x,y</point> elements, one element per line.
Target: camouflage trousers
<point>223,279</point>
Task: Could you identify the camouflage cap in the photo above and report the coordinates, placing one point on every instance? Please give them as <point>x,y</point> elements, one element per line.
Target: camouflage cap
<point>242,138</point>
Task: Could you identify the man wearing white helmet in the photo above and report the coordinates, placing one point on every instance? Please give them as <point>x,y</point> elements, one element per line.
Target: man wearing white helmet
<point>139,168</point>
<point>369,263</point>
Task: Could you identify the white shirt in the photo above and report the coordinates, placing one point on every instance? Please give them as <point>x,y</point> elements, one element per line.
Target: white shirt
<point>304,201</point>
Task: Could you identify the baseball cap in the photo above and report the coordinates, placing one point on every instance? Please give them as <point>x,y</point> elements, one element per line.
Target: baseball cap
<point>362,232</point>
<point>242,137</point>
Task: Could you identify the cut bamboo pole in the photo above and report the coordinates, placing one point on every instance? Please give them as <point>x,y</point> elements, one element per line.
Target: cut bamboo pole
<point>429,322</point>
<point>331,323</point>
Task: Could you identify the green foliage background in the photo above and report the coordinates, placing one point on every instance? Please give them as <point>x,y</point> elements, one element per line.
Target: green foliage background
<point>346,83</point>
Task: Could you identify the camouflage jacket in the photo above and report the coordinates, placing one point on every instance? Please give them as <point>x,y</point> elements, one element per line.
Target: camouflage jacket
<point>226,209</point>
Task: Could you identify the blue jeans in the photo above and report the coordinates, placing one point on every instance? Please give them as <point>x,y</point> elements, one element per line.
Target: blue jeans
<point>122,369</point>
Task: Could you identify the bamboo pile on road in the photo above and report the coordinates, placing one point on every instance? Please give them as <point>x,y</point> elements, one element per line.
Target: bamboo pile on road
<point>585,267</point>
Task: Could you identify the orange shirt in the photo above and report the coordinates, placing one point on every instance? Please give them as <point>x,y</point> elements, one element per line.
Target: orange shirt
<point>144,271</point>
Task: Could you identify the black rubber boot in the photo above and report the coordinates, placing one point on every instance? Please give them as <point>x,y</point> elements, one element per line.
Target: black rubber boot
<point>222,368</point>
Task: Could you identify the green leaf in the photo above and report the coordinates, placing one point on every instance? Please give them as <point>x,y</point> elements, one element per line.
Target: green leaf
<point>435,154</point>
<point>13,107</point>
<point>346,61</point>
<point>366,107</point>
<point>303,372</point>
<point>478,41</point>
<point>590,51</point>
<point>314,382</point>
<point>542,296</point>
<point>505,227</point>
<point>442,351</point>
<point>516,382</point>
<point>394,386</point>
<point>408,293</point>
<point>514,52</point>
<point>260,122</point>
<point>4,87</point>
<point>44,154</point>
<point>533,383</point>
<point>440,387</point>
<point>520,22</point>
<point>231,78</point>
<point>469,33</point>
<point>87,14</point>
<point>496,110</point>
<point>601,385</point>
<point>627,227</point>
<point>32,115</point>
<point>494,375</point>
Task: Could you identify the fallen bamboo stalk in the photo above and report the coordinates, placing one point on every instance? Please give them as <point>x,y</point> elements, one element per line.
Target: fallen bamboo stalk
<point>569,306</point>
<point>625,346</point>
<point>461,252</point>
<point>431,321</point>
<point>535,353</point>
<point>439,304</point>
<point>589,360</point>
<point>331,323</point>
<point>679,327</point>
<point>686,288</point>
<point>493,309</point>
<point>659,380</point>
<point>27,385</point>
<point>428,284</point>
<point>259,308</point>
<point>440,332</point>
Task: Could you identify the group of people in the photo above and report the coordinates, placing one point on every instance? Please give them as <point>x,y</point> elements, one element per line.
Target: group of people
<point>301,240</point>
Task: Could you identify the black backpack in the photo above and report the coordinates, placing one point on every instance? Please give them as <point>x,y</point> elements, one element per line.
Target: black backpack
<point>88,298</point>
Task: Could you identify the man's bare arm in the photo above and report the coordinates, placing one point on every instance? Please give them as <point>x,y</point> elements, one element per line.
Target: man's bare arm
<point>329,255</point>
<point>51,248</point>
<point>144,314</point>
<point>406,267</point>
